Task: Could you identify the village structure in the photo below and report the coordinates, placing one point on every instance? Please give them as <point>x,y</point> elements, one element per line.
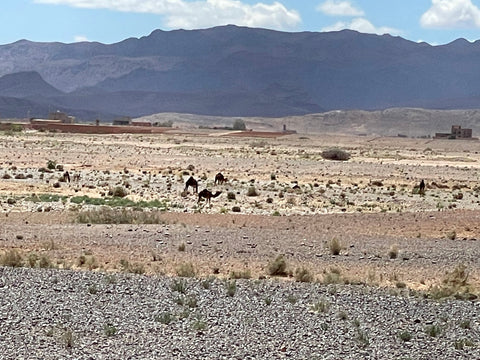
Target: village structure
<point>457,133</point>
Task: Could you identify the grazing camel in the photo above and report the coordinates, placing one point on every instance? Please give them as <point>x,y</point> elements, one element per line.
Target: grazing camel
<point>66,176</point>
<point>220,178</point>
<point>207,195</point>
<point>421,187</point>
<point>193,183</point>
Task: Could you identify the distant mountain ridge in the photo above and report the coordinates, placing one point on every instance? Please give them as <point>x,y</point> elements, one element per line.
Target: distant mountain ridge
<point>237,71</point>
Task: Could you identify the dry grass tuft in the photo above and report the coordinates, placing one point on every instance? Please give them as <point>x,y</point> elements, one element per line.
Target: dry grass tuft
<point>278,267</point>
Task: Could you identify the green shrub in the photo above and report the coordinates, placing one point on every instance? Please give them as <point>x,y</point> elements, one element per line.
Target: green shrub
<point>292,299</point>
<point>252,191</point>
<point>332,277</point>
<point>191,301</point>
<point>186,270</point>
<point>321,306</point>
<point>241,274</point>
<point>199,325</point>
<point>231,287</point>
<point>11,258</point>
<point>137,268</point>
<point>393,252</point>
<point>165,318</point>
<point>335,154</point>
<point>179,285</point>
<point>362,338</point>
<point>451,235</point>
<point>68,338</point>
<point>92,289</point>
<point>335,247</point>
<point>109,330</point>
<point>466,324</point>
<point>32,259</point>
<point>303,275</point>
<point>433,330</point>
<point>278,266</point>
<point>461,343</point>
<point>106,215</point>
<point>45,262</point>
<point>118,191</point>
<point>405,336</point>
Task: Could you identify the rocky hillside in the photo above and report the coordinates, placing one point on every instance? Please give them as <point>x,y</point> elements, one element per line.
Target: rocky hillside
<point>235,71</point>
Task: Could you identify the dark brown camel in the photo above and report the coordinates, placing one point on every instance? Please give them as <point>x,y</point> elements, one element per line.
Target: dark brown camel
<point>422,187</point>
<point>220,178</point>
<point>207,195</point>
<point>193,183</point>
<point>66,176</point>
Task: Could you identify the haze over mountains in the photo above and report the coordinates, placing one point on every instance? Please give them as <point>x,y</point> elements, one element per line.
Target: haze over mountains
<point>236,71</point>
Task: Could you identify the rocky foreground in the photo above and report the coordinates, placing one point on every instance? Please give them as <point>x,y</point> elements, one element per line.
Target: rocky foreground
<point>63,314</point>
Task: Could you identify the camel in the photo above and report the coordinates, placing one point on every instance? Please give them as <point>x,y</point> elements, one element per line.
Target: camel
<point>421,187</point>
<point>207,195</point>
<point>66,176</point>
<point>220,178</point>
<point>193,183</point>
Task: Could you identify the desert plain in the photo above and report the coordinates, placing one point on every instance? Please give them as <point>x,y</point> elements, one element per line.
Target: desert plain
<point>281,197</point>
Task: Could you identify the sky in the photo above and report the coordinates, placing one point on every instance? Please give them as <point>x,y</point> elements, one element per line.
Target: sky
<point>436,22</point>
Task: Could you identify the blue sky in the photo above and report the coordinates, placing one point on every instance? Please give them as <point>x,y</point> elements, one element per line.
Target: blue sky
<point>434,21</point>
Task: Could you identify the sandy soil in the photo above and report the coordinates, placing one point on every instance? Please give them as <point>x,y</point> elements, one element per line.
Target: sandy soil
<point>367,204</point>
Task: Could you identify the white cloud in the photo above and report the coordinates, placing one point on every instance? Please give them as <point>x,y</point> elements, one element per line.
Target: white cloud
<point>198,14</point>
<point>80,38</point>
<point>362,25</point>
<point>339,8</point>
<point>451,14</point>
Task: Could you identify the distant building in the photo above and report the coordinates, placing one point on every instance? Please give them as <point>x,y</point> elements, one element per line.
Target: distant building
<point>124,120</point>
<point>61,116</point>
<point>456,133</point>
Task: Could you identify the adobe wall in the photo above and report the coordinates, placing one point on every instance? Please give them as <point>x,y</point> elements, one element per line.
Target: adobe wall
<point>97,129</point>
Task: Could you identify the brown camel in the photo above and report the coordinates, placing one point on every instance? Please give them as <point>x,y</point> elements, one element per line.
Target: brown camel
<point>220,178</point>
<point>207,195</point>
<point>193,183</point>
<point>422,187</point>
<point>66,176</point>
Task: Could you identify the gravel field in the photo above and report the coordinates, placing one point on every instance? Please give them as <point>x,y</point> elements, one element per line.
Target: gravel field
<point>52,314</point>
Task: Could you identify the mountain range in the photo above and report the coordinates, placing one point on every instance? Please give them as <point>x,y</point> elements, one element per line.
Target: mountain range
<point>236,71</point>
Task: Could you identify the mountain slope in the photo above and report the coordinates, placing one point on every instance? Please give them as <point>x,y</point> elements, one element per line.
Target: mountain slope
<point>26,84</point>
<point>239,71</point>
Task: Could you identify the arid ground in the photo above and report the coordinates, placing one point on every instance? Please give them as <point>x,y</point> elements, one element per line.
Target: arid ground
<point>281,197</point>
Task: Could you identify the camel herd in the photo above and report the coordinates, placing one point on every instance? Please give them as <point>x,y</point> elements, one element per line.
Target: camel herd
<point>205,193</point>
<point>220,179</point>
